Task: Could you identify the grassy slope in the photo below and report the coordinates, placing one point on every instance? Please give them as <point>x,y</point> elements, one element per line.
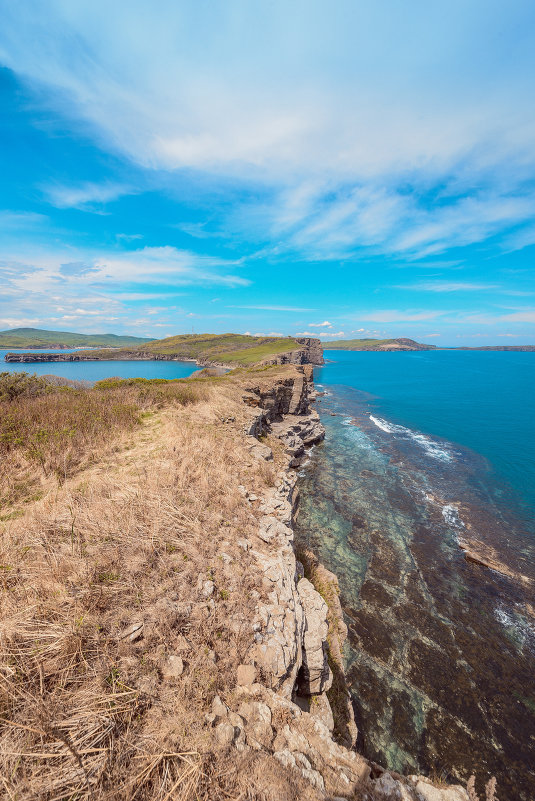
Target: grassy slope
<point>375,344</point>
<point>122,536</point>
<point>35,337</point>
<point>222,347</point>
<point>237,349</point>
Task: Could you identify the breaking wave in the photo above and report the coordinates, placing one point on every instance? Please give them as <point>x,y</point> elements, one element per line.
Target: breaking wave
<point>430,447</point>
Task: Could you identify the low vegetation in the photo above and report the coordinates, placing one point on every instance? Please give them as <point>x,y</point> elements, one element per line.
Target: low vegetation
<point>50,430</point>
<point>39,338</point>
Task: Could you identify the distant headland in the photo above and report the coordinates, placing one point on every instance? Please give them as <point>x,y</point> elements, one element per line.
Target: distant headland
<point>404,344</point>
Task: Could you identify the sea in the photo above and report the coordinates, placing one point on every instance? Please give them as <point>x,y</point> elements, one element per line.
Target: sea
<point>425,452</point>
<point>96,371</point>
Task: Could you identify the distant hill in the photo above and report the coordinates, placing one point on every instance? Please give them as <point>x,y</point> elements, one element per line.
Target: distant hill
<point>523,348</point>
<point>402,343</point>
<point>40,338</point>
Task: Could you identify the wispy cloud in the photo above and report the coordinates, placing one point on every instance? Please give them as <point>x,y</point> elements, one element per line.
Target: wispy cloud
<point>525,315</point>
<point>15,220</point>
<point>274,308</point>
<point>399,316</point>
<point>351,157</point>
<point>325,324</point>
<point>447,286</point>
<point>88,196</point>
<point>320,334</point>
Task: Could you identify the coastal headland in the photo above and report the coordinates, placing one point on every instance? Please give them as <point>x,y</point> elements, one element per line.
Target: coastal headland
<point>159,629</point>
<point>207,350</point>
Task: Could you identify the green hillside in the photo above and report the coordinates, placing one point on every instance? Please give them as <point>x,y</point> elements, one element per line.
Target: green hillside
<point>226,348</point>
<point>238,349</point>
<point>402,343</point>
<point>39,338</point>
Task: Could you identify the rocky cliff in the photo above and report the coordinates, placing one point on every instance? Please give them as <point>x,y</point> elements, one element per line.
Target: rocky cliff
<point>285,702</point>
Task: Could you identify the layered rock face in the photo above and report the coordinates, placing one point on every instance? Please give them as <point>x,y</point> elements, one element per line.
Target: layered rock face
<point>311,352</point>
<point>281,703</point>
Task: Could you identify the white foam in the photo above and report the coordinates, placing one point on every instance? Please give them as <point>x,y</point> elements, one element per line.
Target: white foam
<point>450,513</point>
<point>431,448</point>
<point>517,623</point>
<point>382,424</point>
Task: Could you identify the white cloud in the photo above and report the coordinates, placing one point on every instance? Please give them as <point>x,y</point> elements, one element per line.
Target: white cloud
<point>88,196</point>
<point>321,334</point>
<point>19,322</point>
<point>15,220</point>
<point>33,281</point>
<point>399,316</point>
<point>351,128</point>
<point>273,308</point>
<point>526,315</point>
<point>325,324</point>
<point>447,286</point>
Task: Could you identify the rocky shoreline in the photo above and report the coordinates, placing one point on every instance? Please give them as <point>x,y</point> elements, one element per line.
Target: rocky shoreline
<point>291,698</point>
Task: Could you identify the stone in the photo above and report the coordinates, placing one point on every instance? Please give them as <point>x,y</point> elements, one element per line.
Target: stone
<point>260,451</point>
<point>425,791</point>
<point>224,734</point>
<point>315,778</point>
<point>133,632</point>
<point>246,675</point>
<point>320,709</point>
<point>270,529</point>
<point>173,667</point>
<point>387,787</point>
<point>218,707</point>
<point>285,757</point>
<point>207,588</point>
<point>315,675</point>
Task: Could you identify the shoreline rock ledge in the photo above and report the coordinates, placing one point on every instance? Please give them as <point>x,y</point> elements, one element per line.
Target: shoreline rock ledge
<point>291,698</point>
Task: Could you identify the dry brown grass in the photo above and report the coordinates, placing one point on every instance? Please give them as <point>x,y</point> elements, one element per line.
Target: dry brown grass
<point>55,432</point>
<point>127,539</point>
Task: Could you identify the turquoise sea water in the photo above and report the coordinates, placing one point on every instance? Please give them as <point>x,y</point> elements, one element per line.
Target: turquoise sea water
<point>426,451</point>
<point>484,400</point>
<point>96,371</point>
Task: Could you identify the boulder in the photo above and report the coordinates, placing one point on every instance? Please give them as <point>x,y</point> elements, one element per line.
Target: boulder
<point>315,675</point>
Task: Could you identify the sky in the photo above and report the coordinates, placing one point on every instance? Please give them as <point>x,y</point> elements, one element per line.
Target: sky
<point>342,169</point>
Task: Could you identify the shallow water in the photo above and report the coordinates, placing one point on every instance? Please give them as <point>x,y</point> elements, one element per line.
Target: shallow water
<point>96,371</point>
<point>441,652</point>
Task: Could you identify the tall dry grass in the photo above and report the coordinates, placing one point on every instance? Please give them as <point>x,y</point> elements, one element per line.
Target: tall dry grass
<point>48,430</point>
<point>123,547</point>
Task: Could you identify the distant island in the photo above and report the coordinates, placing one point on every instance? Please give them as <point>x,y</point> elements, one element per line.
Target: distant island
<point>402,343</point>
<point>60,340</point>
<point>226,350</point>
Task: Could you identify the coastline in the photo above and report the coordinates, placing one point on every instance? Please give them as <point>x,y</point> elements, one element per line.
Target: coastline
<point>205,612</point>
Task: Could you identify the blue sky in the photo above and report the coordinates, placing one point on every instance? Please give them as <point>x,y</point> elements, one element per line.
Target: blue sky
<point>340,169</point>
